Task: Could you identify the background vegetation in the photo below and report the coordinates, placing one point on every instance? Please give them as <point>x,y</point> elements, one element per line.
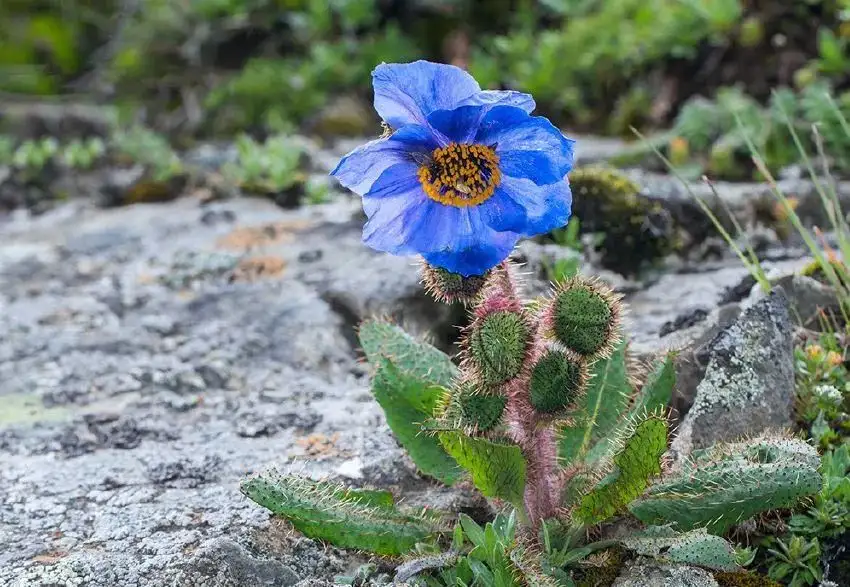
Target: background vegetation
<point>223,66</point>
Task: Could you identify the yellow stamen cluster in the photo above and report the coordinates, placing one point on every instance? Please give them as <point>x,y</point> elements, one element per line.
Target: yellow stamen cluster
<point>461,175</point>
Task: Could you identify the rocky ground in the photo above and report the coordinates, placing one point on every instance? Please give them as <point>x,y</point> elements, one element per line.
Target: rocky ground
<point>152,355</point>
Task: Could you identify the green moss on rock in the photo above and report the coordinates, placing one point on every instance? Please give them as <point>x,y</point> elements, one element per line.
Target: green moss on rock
<point>636,231</point>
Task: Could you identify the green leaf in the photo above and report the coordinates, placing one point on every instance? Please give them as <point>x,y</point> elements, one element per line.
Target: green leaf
<point>473,531</point>
<point>658,389</point>
<point>348,518</point>
<point>407,402</point>
<point>635,464</point>
<point>413,357</point>
<point>696,547</point>
<point>654,397</point>
<point>498,470</point>
<point>597,413</point>
<point>730,483</point>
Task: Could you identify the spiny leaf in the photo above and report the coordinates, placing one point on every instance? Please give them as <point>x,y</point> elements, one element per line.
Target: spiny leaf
<point>635,464</point>
<point>731,483</point>
<point>696,547</point>
<point>658,389</point>
<point>598,411</point>
<point>414,357</point>
<point>407,402</point>
<point>653,397</point>
<point>348,518</point>
<point>498,470</point>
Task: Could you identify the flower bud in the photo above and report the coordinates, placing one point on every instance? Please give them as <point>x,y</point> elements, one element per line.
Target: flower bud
<point>557,381</point>
<point>497,345</point>
<point>585,316</point>
<point>479,410</point>
<point>448,287</point>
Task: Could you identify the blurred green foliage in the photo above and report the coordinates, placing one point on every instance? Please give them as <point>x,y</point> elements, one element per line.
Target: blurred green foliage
<point>46,43</point>
<point>708,136</point>
<point>139,145</point>
<point>226,66</point>
<point>269,167</point>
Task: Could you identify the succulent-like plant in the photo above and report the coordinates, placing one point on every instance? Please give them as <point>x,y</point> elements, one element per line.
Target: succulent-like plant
<point>543,414</point>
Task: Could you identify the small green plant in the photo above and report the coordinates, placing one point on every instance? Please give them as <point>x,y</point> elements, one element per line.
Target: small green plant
<point>717,132</point>
<point>316,191</point>
<point>7,149</point>
<point>139,145</point>
<point>568,237</point>
<point>32,156</point>
<point>79,154</point>
<point>823,389</point>
<point>270,167</point>
<point>796,562</point>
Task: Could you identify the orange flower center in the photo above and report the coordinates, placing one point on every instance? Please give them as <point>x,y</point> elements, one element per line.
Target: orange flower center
<point>461,175</point>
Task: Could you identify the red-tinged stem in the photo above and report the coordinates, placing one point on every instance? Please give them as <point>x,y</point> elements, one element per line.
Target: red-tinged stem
<point>541,493</point>
<point>536,438</point>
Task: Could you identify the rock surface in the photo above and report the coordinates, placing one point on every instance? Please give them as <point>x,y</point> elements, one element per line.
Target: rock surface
<point>749,381</point>
<point>152,355</point>
<point>646,573</point>
<point>150,358</point>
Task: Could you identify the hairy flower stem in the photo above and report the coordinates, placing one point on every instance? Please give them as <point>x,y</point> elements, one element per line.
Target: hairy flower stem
<point>540,487</point>
<point>534,435</point>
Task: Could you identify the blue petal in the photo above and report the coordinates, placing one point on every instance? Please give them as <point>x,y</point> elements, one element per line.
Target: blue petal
<point>503,213</point>
<point>407,93</point>
<point>460,239</point>
<point>501,98</point>
<point>528,146</point>
<point>393,207</point>
<point>547,207</point>
<point>399,179</point>
<point>459,125</point>
<point>478,257</point>
<point>362,167</point>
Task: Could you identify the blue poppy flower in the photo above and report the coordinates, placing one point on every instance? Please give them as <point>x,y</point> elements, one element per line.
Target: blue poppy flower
<point>465,173</point>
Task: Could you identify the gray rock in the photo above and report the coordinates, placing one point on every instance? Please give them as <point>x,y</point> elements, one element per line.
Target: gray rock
<point>648,573</point>
<point>673,295</point>
<point>225,563</point>
<point>693,346</point>
<point>807,297</point>
<point>749,382</point>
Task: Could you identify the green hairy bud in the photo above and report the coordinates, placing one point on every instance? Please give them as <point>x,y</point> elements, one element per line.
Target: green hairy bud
<point>448,287</point>
<point>479,410</point>
<point>584,317</point>
<point>497,346</point>
<point>556,382</point>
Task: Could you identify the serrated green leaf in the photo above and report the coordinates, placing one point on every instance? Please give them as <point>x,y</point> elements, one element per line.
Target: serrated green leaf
<point>635,464</point>
<point>696,547</point>
<point>654,397</point>
<point>416,358</point>
<point>728,484</point>
<point>598,412</point>
<point>498,470</point>
<point>348,518</point>
<point>407,402</point>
